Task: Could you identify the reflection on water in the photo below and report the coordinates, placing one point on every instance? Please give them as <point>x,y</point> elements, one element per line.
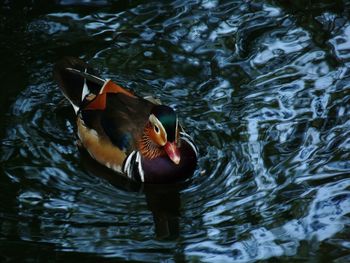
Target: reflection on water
<point>262,86</point>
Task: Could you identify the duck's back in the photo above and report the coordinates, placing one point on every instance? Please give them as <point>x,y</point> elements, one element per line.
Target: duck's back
<point>122,120</point>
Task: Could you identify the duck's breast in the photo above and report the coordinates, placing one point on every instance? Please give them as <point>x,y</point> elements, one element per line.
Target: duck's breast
<point>163,170</point>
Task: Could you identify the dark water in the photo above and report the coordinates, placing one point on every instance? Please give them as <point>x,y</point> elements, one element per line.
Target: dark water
<point>263,87</point>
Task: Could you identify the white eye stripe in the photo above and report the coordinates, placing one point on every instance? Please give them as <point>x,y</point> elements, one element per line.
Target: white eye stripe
<point>156,129</point>
<point>156,123</point>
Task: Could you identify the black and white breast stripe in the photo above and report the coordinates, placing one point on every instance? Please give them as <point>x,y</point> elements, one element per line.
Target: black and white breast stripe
<point>189,140</point>
<point>132,166</point>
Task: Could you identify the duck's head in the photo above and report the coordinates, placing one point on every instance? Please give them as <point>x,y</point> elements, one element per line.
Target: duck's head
<point>161,134</point>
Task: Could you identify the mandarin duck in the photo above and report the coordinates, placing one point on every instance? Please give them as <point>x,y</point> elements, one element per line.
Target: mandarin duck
<point>135,136</point>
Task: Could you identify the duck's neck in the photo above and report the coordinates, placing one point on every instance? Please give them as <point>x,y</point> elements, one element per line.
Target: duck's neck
<point>147,147</point>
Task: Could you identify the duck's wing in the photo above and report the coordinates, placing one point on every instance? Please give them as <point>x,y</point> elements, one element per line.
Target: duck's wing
<point>122,119</point>
<point>76,80</point>
<point>111,119</point>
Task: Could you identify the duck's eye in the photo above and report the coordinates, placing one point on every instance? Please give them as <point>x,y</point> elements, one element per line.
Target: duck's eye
<point>156,129</point>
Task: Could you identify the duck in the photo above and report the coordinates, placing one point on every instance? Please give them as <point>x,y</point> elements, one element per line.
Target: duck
<point>132,135</point>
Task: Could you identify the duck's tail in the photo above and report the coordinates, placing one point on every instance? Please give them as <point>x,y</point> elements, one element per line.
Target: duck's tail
<point>76,80</point>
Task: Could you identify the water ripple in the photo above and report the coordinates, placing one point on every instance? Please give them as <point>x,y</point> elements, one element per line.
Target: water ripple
<point>263,88</point>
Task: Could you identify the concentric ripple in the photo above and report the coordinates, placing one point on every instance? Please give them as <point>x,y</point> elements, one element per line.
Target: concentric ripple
<point>262,86</point>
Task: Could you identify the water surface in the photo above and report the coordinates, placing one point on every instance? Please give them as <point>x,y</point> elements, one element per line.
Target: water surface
<point>262,86</point>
